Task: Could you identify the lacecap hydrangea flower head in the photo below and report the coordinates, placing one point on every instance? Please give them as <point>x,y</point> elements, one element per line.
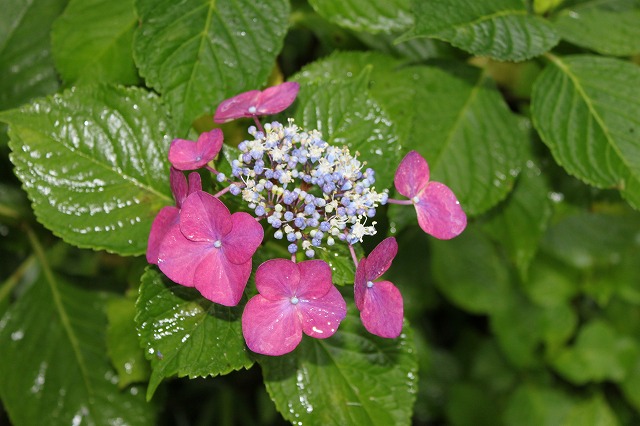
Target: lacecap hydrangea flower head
<point>309,195</point>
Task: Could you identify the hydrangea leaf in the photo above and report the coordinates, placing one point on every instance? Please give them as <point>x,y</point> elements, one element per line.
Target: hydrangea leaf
<point>599,353</point>
<point>533,405</point>
<point>184,334</point>
<point>630,386</point>
<point>122,342</point>
<point>346,114</point>
<point>550,282</point>
<point>501,29</point>
<point>93,162</point>
<point>26,65</point>
<point>352,377</point>
<point>519,223</point>
<point>610,27</point>
<point>585,109</point>
<point>197,53</point>
<point>477,158</point>
<point>593,411</point>
<point>92,40</point>
<point>365,15</point>
<point>470,272</point>
<point>55,367</point>
<point>339,259</point>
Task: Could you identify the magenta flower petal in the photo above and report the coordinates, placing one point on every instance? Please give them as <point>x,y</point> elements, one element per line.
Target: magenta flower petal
<point>276,99</point>
<point>315,279</point>
<point>322,316</point>
<point>179,257</point>
<point>237,107</point>
<point>166,218</point>
<point>277,279</point>
<point>179,186</point>
<point>382,311</point>
<point>188,155</point>
<point>290,303</point>
<point>219,280</point>
<point>271,328</point>
<point>359,286</point>
<point>380,258</point>
<point>204,218</point>
<point>439,212</point>
<point>195,182</point>
<point>412,175</point>
<point>244,238</point>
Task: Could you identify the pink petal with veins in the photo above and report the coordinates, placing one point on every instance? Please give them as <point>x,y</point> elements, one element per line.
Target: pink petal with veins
<point>380,258</point>
<point>360,283</point>
<point>236,107</point>
<point>439,212</point>
<point>243,239</point>
<point>219,280</point>
<point>179,186</point>
<point>315,279</point>
<point>179,257</point>
<point>382,311</point>
<point>204,218</point>
<point>188,155</point>
<point>277,279</point>
<point>412,175</point>
<point>166,218</point>
<point>322,316</point>
<point>276,99</point>
<point>271,327</point>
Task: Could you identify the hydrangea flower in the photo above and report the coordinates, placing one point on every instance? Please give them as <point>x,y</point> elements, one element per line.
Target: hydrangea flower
<point>380,303</point>
<point>211,249</point>
<point>188,155</point>
<point>272,100</point>
<point>167,217</point>
<point>438,209</point>
<point>294,298</point>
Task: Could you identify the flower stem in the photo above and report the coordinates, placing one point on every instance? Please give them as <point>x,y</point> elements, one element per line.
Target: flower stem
<point>259,125</point>
<point>211,169</point>
<point>222,192</point>
<point>402,202</point>
<point>353,255</point>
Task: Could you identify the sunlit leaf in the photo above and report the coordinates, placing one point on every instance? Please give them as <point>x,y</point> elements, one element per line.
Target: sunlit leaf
<point>352,377</point>
<point>501,29</point>
<point>94,163</point>
<point>92,42</point>
<point>197,53</point>
<point>587,112</point>
<point>366,15</point>
<point>184,334</point>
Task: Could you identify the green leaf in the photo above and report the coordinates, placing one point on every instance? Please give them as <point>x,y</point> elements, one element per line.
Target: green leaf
<point>196,53</point>
<point>535,405</point>
<point>608,27</point>
<point>593,412</point>
<point>184,334</point>
<point>599,353</point>
<point>551,282</point>
<point>365,15</point>
<point>92,39</point>
<point>501,29</point>
<point>122,342</point>
<point>586,110</point>
<point>521,220</point>
<point>475,145</point>
<point>467,405</point>
<point>631,385</point>
<point>94,163</point>
<point>339,259</point>
<point>347,115</point>
<point>350,378</point>
<point>55,367</point>
<point>470,273</point>
<point>26,65</point>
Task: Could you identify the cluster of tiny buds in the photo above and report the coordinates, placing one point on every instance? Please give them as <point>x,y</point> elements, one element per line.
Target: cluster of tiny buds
<point>309,191</point>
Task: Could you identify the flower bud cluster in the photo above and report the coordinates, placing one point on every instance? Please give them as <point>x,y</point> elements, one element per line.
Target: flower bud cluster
<point>310,192</point>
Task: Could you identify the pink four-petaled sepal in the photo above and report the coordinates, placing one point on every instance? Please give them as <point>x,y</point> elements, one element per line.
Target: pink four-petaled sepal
<point>189,155</point>
<point>294,298</point>
<point>438,209</point>
<point>380,303</point>
<point>167,217</point>
<point>211,249</point>
<point>272,100</point>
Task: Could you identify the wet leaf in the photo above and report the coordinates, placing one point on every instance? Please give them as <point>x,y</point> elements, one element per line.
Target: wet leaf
<point>365,15</point>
